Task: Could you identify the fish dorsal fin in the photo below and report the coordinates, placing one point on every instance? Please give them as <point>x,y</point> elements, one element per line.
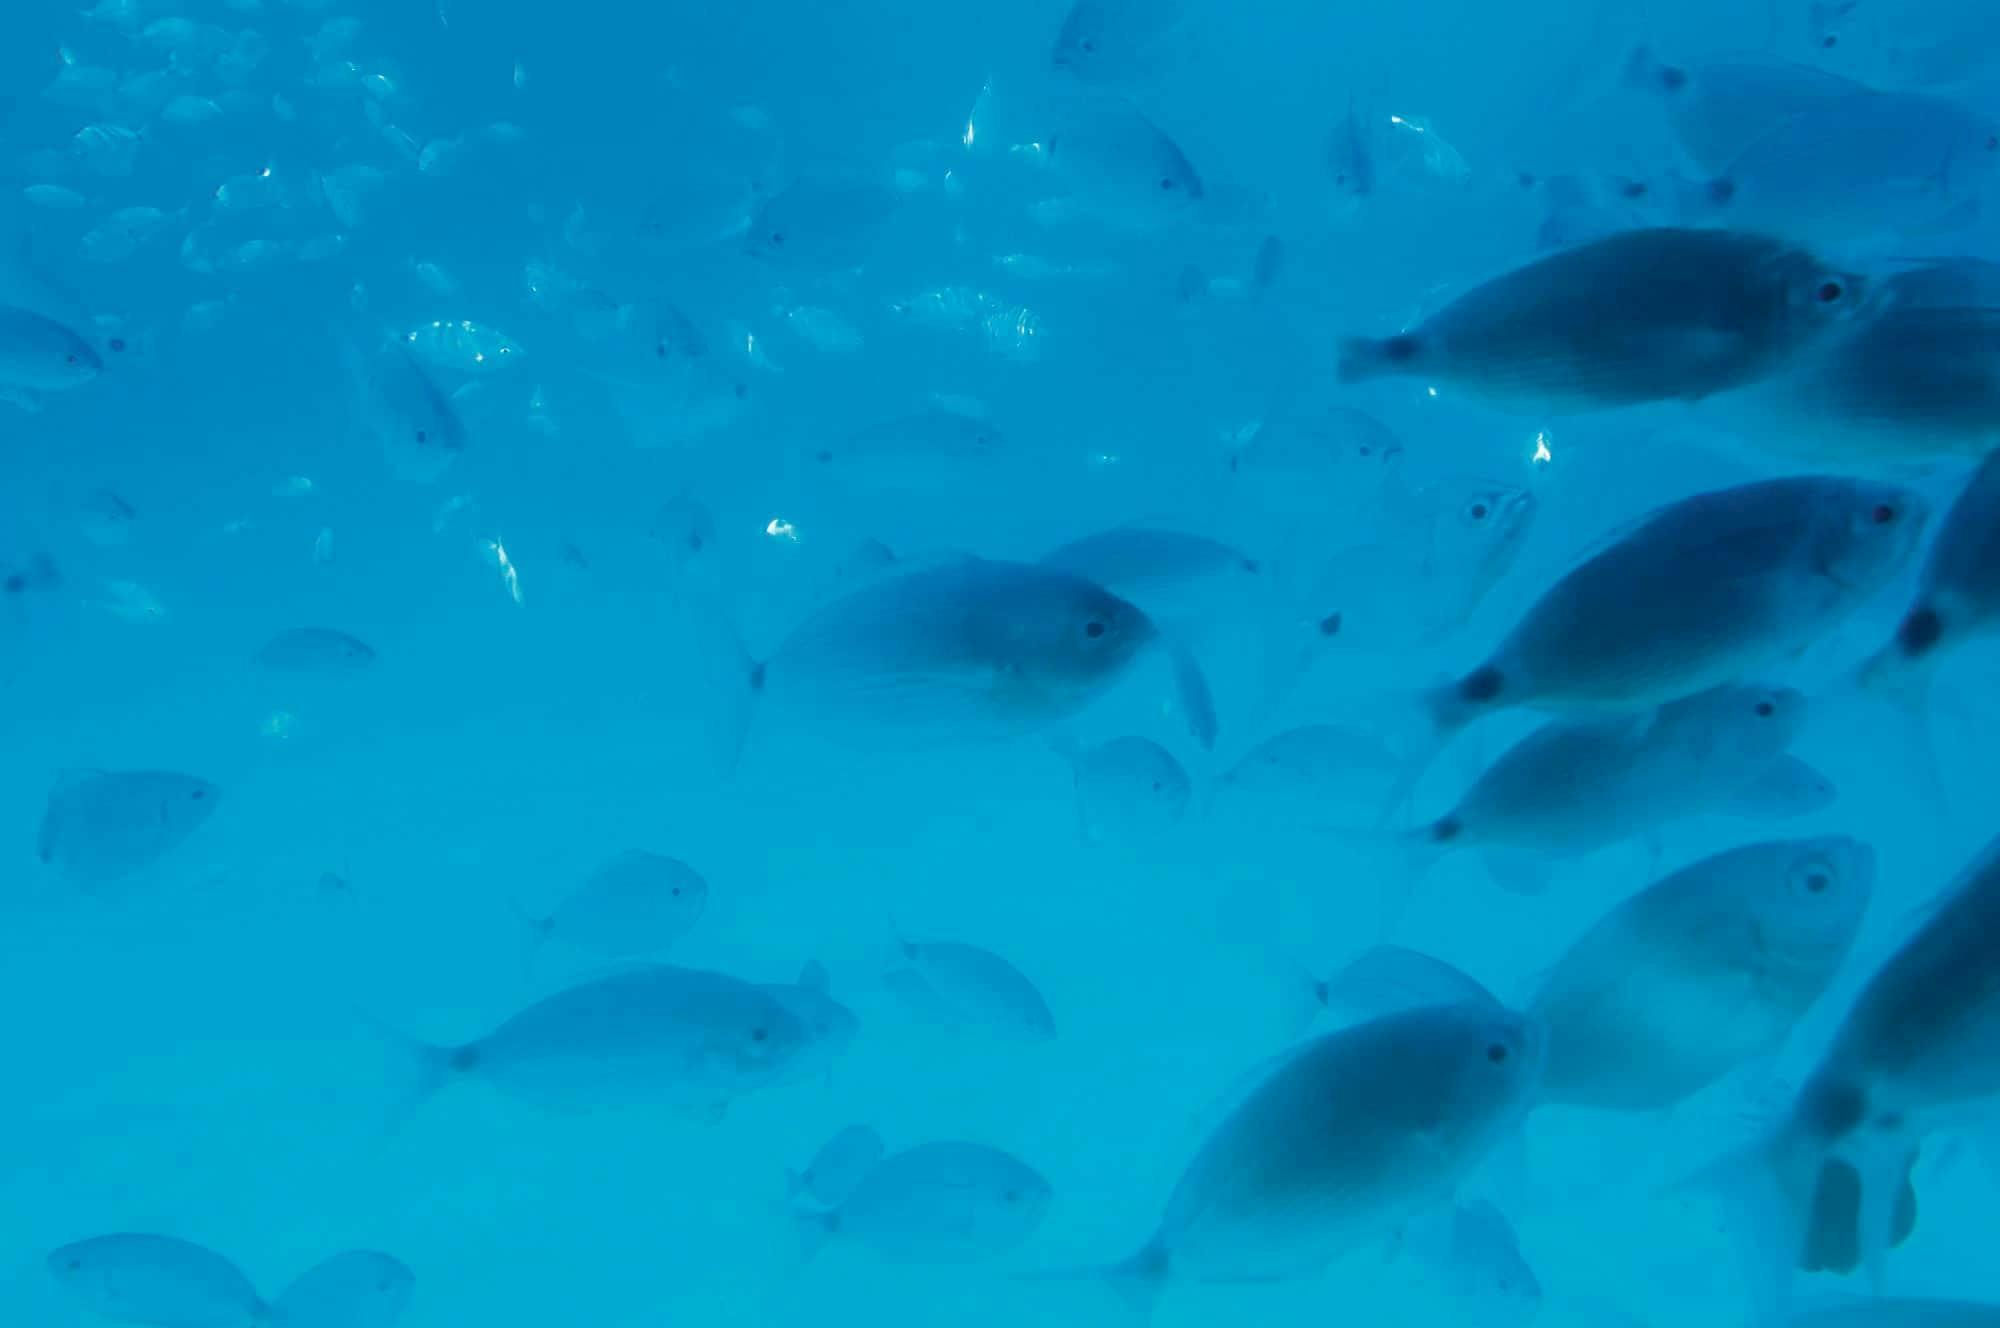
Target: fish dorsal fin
<point>1386,979</point>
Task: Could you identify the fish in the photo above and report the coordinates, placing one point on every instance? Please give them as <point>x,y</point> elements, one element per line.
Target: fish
<point>635,903</point>
<point>839,1166</point>
<point>1350,163</point>
<point>1471,1267</point>
<point>106,519</point>
<point>1128,790</point>
<point>955,983</point>
<point>1718,108</point>
<point>1112,41</point>
<point>686,528</point>
<point>1957,597</point>
<point>1440,550</point>
<point>100,826</point>
<point>1315,776</point>
<point>1571,788</point>
<point>1647,315</point>
<point>1899,1313</point>
<point>821,221</point>
<point>416,425</point>
<point>947,1202</point>
<point>1912,382</point>
<point>1163,571</point>
<point>122,234</point>
<point>1702,973</point>
<point>1338,1143</point>
<point>1851,174</point>
<point>1785,790</point>
<point>1694,595</point>
<point>133,1277</point>
<point>42,355</point>
<point>1302,462</point>
<point>647,1036</point>
<point>1912,1053</point>
<point>320,651</point>
<point>829,1026</point>
<point>937,447</point>
<point>1114,165</point>
<point>966,650</point>
<point>463,347</point>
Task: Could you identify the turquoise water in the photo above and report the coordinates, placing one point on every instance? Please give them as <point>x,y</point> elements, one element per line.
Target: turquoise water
<point>591,370</point>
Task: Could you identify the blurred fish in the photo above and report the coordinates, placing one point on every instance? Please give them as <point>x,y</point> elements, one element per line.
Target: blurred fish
<point>1703,972</point>
<point>1163,571</point>
<point>1116,166</point>
<point>1350,160</point>
<point>100,825</point>
<point>1109,41</point>
<point>42,355</point>
<point>821,222</point>
<point>963,651</point>
<point>839,1166</point>
<point>462,347</point>
<point>1471,1268</point>
<point>106,149</point>
<point>1314,461</point>
<point>1571,788</point>
<point>173,1283</point>
<point>937,448</point>
<point>1787,789</point>
<point>1856,173</point>
<point>106,519</point>
<point>947,1202</point>
<point>686,528</point>
<point>1957,594</point>
<point>1424,575</point>
<point>54,197</point>
<point>1639,316</point>
<point>131,602</point>
<point>1317,776</point>
<point>829,1026</point>
<point>636,903</point>
<point>1717,108</point>
<point>1128,790</point>
<point>1892,1313</point>
<point>645,1037</point>
<point>122,234</point>
<point>1339,1142</point>
<point>416,425</point>
<point>38,573</point>
<point>954,983</point>
<point>319,651</point>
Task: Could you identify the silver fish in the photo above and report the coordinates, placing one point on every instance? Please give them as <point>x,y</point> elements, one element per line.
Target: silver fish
<point>946,1202</point>
<point>100,826</point>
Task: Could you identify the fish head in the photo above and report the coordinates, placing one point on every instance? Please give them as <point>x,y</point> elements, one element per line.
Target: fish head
<point>1499,1055</point>
<point>1747,723</point>
<point>764,1041</point>
<point>1809,895</point>
<point>45,356</point>
<point>1819,296</point>
<point>1869,532</point>
<point>182,801</point>
<point>1483,530</point>
<point>1078,636</point>
<point>1012,1198</point>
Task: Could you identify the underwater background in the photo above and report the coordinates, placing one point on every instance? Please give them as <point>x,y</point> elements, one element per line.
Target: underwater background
<point>418,416</point>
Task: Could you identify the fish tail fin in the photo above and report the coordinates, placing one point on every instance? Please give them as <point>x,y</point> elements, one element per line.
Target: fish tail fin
<point>423,1068</point>
<point>1905,688</point>
<point>1363,358</point>
<point>734,678</point>
<point>534,935</point>
<point>1766,1194</point>
<point>814,1228</point>
<point>350,1287</point>
<point>1136,1283</point>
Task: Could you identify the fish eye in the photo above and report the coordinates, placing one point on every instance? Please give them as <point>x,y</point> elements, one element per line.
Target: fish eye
<point>1634,189</point>
<point>778,238</point>
<point>1477,511</point>
<point>742,391</point>
<point>69,359</point>
<point>1883,514</point>
<point>660,351</point>
<point>1817,882</point>
<point>1011,1196</point>
<point>423,435</point>
<point>1367,449</point>
<point>1765,709</point>
<point>1830,291</point>
<point>759,1034</point>
<point>1993,142</point>
<point>1166,183</point>
<point>1330,625</point>
<point>822,455</point>
<point>1496,1052</point>
<point>677,892</point>
<point>1829,41</point>
<point>117,343</point>
<point>1093,629</point>
<point>1089,46</point>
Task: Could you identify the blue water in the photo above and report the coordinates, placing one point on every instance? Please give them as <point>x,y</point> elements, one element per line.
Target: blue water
<point>196,1050</point>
